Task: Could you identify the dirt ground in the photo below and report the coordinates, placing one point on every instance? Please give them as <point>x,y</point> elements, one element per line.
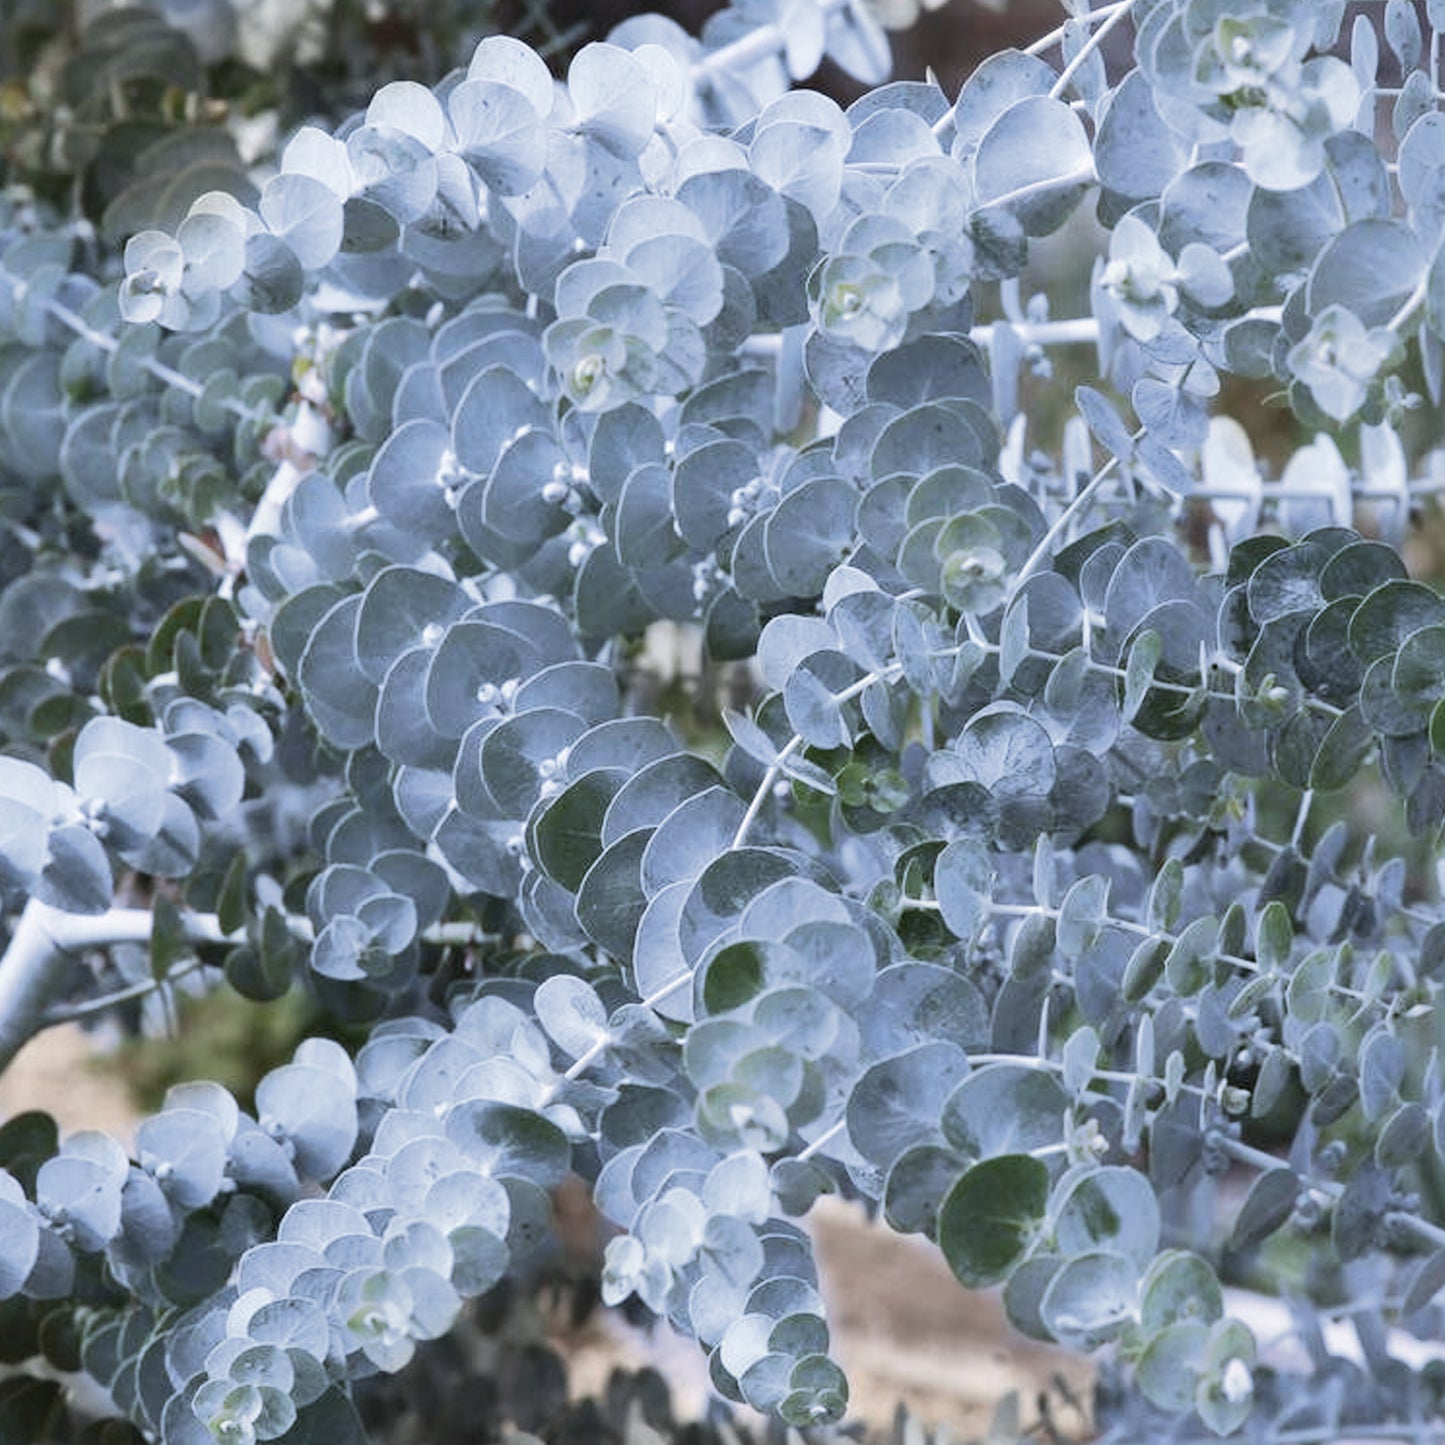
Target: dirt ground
<point>902,1326</point>
<point>59,1071</point>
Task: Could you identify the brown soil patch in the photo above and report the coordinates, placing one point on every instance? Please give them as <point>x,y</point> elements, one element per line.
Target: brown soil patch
<point>906,1330</point>
<point>61,1072</point>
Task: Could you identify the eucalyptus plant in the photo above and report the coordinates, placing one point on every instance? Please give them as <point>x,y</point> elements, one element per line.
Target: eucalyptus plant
<point>338,505</point>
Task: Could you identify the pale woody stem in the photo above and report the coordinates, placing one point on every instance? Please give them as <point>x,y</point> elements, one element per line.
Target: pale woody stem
<point>31,970</point>
<point>1088,48</point>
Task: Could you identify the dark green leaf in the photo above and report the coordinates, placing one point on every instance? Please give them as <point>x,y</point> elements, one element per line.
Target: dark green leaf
<point>988,1219</point>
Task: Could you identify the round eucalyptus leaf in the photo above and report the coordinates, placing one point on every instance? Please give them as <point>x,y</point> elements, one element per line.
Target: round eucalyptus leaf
<point>1009,753</point>
<point>259,1163</point>
<point>1004,1109</point>
<point>1113,1208</point>
<point>919,1179</point>
<point>931,434</point>
<point>662,971</point>
<point>914,1003</point>
<point>1224,1396</point>
<point>480,1259</point>
<point>735,974</point>
<point>995,84</point>
<point>1035,159</point>
<point>764,1384</point>
<point>506,1141</point>
<point>610,898</point>
<point>474,661</point>
<point>1169,1367</point>
<point>813,697</point>
<point>185,1152</point>
<point>1369,268</point>
<point>585,688</point>
<point>798,1185</point>
<point>1341,751</point>
<point>613,98</point>
<point>1179,1287</point>
<point>988,1220</point>
<point>744,218</point>
<point>27,1140</point>
<point>818,1392</point>
<point>688,838</point>
<point>1136,153</point>
<point>315,1110</point>
<point>343,704</point>
<point>403,608</point>
<point>495,409</point>
<point>173,849</point>
<point>305,214</point>
<point>1092,1299</point>
<point>525,754</point>
<point>19,1245</point>
<point>22,827</point>
<point>499,133</point>
<point>839,960</point>
<point>744,1343</point>
<point>89,1193</point>
<point>1151,572</point>
<point>963,878</point>
<point>1404,1133</point>
<point>724,888</point>
<point>1381,1069</point>
<point>653,791</point>
<point>565,839</point>
<point>607,598</point>
<point>1418,673</point>
<point>896,1104</point>
<point>1389,614</point>
<point>76,875</point>
<point>738,1188</point>
<point>1267,1207</point>
<point>206,772</point>
<point>1024,1290</point>
<point>809,533</point>
<point>572,1014</point>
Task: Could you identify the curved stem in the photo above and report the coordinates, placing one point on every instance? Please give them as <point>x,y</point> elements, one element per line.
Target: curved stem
<point>30,975</point>
<point>1410,304</point>
<point>1423,1229</point>
<point>823,1139</point>
<point>1084,176</point>
<point>598,1047</point>
<point>157,369</point>
<point>1070,331</point>
<point>775,769</point>
<point>92,1006</point>
<point>33,967</point>
<point>1088,48</point>
<point>1074,509</point>
<point>755,45</point>
<point>1055,36</point>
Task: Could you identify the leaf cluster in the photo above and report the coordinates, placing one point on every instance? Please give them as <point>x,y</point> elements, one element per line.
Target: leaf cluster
<point>979,913</point>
